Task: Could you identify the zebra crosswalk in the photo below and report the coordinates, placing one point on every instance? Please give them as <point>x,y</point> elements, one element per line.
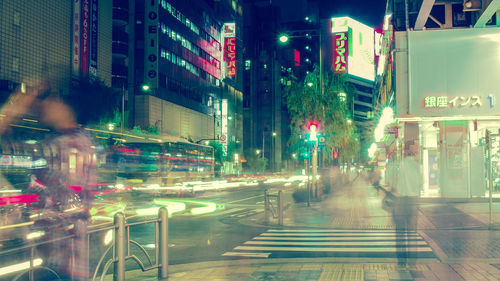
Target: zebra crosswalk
<point>282,243</point>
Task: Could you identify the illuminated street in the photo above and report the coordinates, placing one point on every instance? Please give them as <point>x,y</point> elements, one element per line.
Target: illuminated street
<point>252,140</point>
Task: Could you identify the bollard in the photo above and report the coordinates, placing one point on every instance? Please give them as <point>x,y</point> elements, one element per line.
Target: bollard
<point>266,207</point>
<point>280,208</point>
<point>163,269</point>
<point>120,243</point>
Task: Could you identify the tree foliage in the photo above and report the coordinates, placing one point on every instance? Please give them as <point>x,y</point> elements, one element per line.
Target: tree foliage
<point>93,101</point>
<point>306,104</point>
<point>255,162</point>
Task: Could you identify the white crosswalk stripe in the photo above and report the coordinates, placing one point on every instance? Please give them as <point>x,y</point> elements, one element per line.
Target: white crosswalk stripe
<point>332,243</point>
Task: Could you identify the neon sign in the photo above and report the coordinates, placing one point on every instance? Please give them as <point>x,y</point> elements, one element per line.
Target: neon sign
<point>341,52</point>
<point>447,102</point>
<point>230,56</point>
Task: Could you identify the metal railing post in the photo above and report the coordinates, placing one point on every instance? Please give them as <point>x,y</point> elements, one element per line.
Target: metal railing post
<point>120,243</point>
<point>266,207</point>
<point>280,208</point>
<point>163,269</point>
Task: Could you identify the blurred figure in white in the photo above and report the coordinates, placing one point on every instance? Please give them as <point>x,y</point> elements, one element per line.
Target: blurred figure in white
<point>406,192</point>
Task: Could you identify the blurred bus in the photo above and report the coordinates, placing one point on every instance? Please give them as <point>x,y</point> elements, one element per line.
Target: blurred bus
<point>163,162</point>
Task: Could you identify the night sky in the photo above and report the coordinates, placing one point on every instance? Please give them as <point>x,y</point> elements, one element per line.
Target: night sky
<point>369,12</point>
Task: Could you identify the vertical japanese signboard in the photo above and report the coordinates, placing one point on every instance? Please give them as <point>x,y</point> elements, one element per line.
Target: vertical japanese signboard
<point>341,52</point>
<point>75,51</point>
<point>353,42</point>
<point>93,38</point>
<point>151,44</point>
<point>85,37</point>
<point>224,127</point>
<point>229,35</point>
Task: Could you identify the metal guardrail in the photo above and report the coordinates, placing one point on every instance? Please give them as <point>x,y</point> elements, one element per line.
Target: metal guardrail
<point>121,250</point>
<point>276,209</point>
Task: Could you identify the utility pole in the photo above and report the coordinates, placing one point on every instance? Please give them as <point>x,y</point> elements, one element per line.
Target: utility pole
<point>123,107</point>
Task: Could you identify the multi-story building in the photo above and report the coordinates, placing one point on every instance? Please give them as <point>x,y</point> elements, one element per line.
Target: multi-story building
<point>53,38</point>
<point>183,81</point>
<point>349,48</point>
<point>262,94</point>
<point>268,64</point>
<point>445,88</point>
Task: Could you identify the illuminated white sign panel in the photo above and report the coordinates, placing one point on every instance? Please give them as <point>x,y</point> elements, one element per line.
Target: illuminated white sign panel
<point>223,138</point>
<point>361,43</point>
<point>453,72</point>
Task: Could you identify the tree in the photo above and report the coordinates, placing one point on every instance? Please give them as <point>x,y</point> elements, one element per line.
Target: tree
<point>93,101</point>
<point>331,110</point>
<point>255,162</point>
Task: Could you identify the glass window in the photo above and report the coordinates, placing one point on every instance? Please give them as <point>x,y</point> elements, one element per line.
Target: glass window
<point>17,18</point>
<point>15,64</point>
<point>248,64</point>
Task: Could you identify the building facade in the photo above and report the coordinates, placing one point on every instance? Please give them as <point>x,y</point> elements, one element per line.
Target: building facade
<point>183,80</point>
<point>451,120</point>
<point>61,40</point>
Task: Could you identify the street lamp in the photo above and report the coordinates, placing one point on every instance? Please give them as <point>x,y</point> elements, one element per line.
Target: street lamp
<point>145,88</point>
<point>284,38</point>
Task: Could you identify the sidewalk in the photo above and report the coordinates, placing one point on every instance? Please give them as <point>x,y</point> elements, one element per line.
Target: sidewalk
<point>457,232</point>
<point>319,269</point>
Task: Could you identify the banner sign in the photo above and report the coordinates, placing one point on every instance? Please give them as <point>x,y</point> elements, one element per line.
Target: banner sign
<point>230,56</point>
<point>93,38</point>
<point>85,40</point>
<point>76,38</point>
<point>341,52</point>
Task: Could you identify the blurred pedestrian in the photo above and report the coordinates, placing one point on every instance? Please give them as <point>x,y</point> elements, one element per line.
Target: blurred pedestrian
<point>407,190</point>
<point>68,177</point>
<point>64,181</point>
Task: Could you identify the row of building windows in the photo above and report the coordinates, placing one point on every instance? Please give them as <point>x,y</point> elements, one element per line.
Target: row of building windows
<point>180,17</point>
<point>176,36</point>
<point>173,58</point>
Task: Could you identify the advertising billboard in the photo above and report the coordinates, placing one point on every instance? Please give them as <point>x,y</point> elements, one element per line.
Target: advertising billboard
<point>451,72</point>
<point>85,37</point>
<point>75,51</point>
<point>340,52</point>
<point>229,36</point>
<point>93,37</point>
<point>361,44</point>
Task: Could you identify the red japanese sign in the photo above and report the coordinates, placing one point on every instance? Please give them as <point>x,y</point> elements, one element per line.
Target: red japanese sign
<point>341,52</point>
<point>230,56</point>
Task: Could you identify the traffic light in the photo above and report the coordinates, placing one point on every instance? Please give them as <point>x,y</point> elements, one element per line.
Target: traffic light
<point>313,132</point>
